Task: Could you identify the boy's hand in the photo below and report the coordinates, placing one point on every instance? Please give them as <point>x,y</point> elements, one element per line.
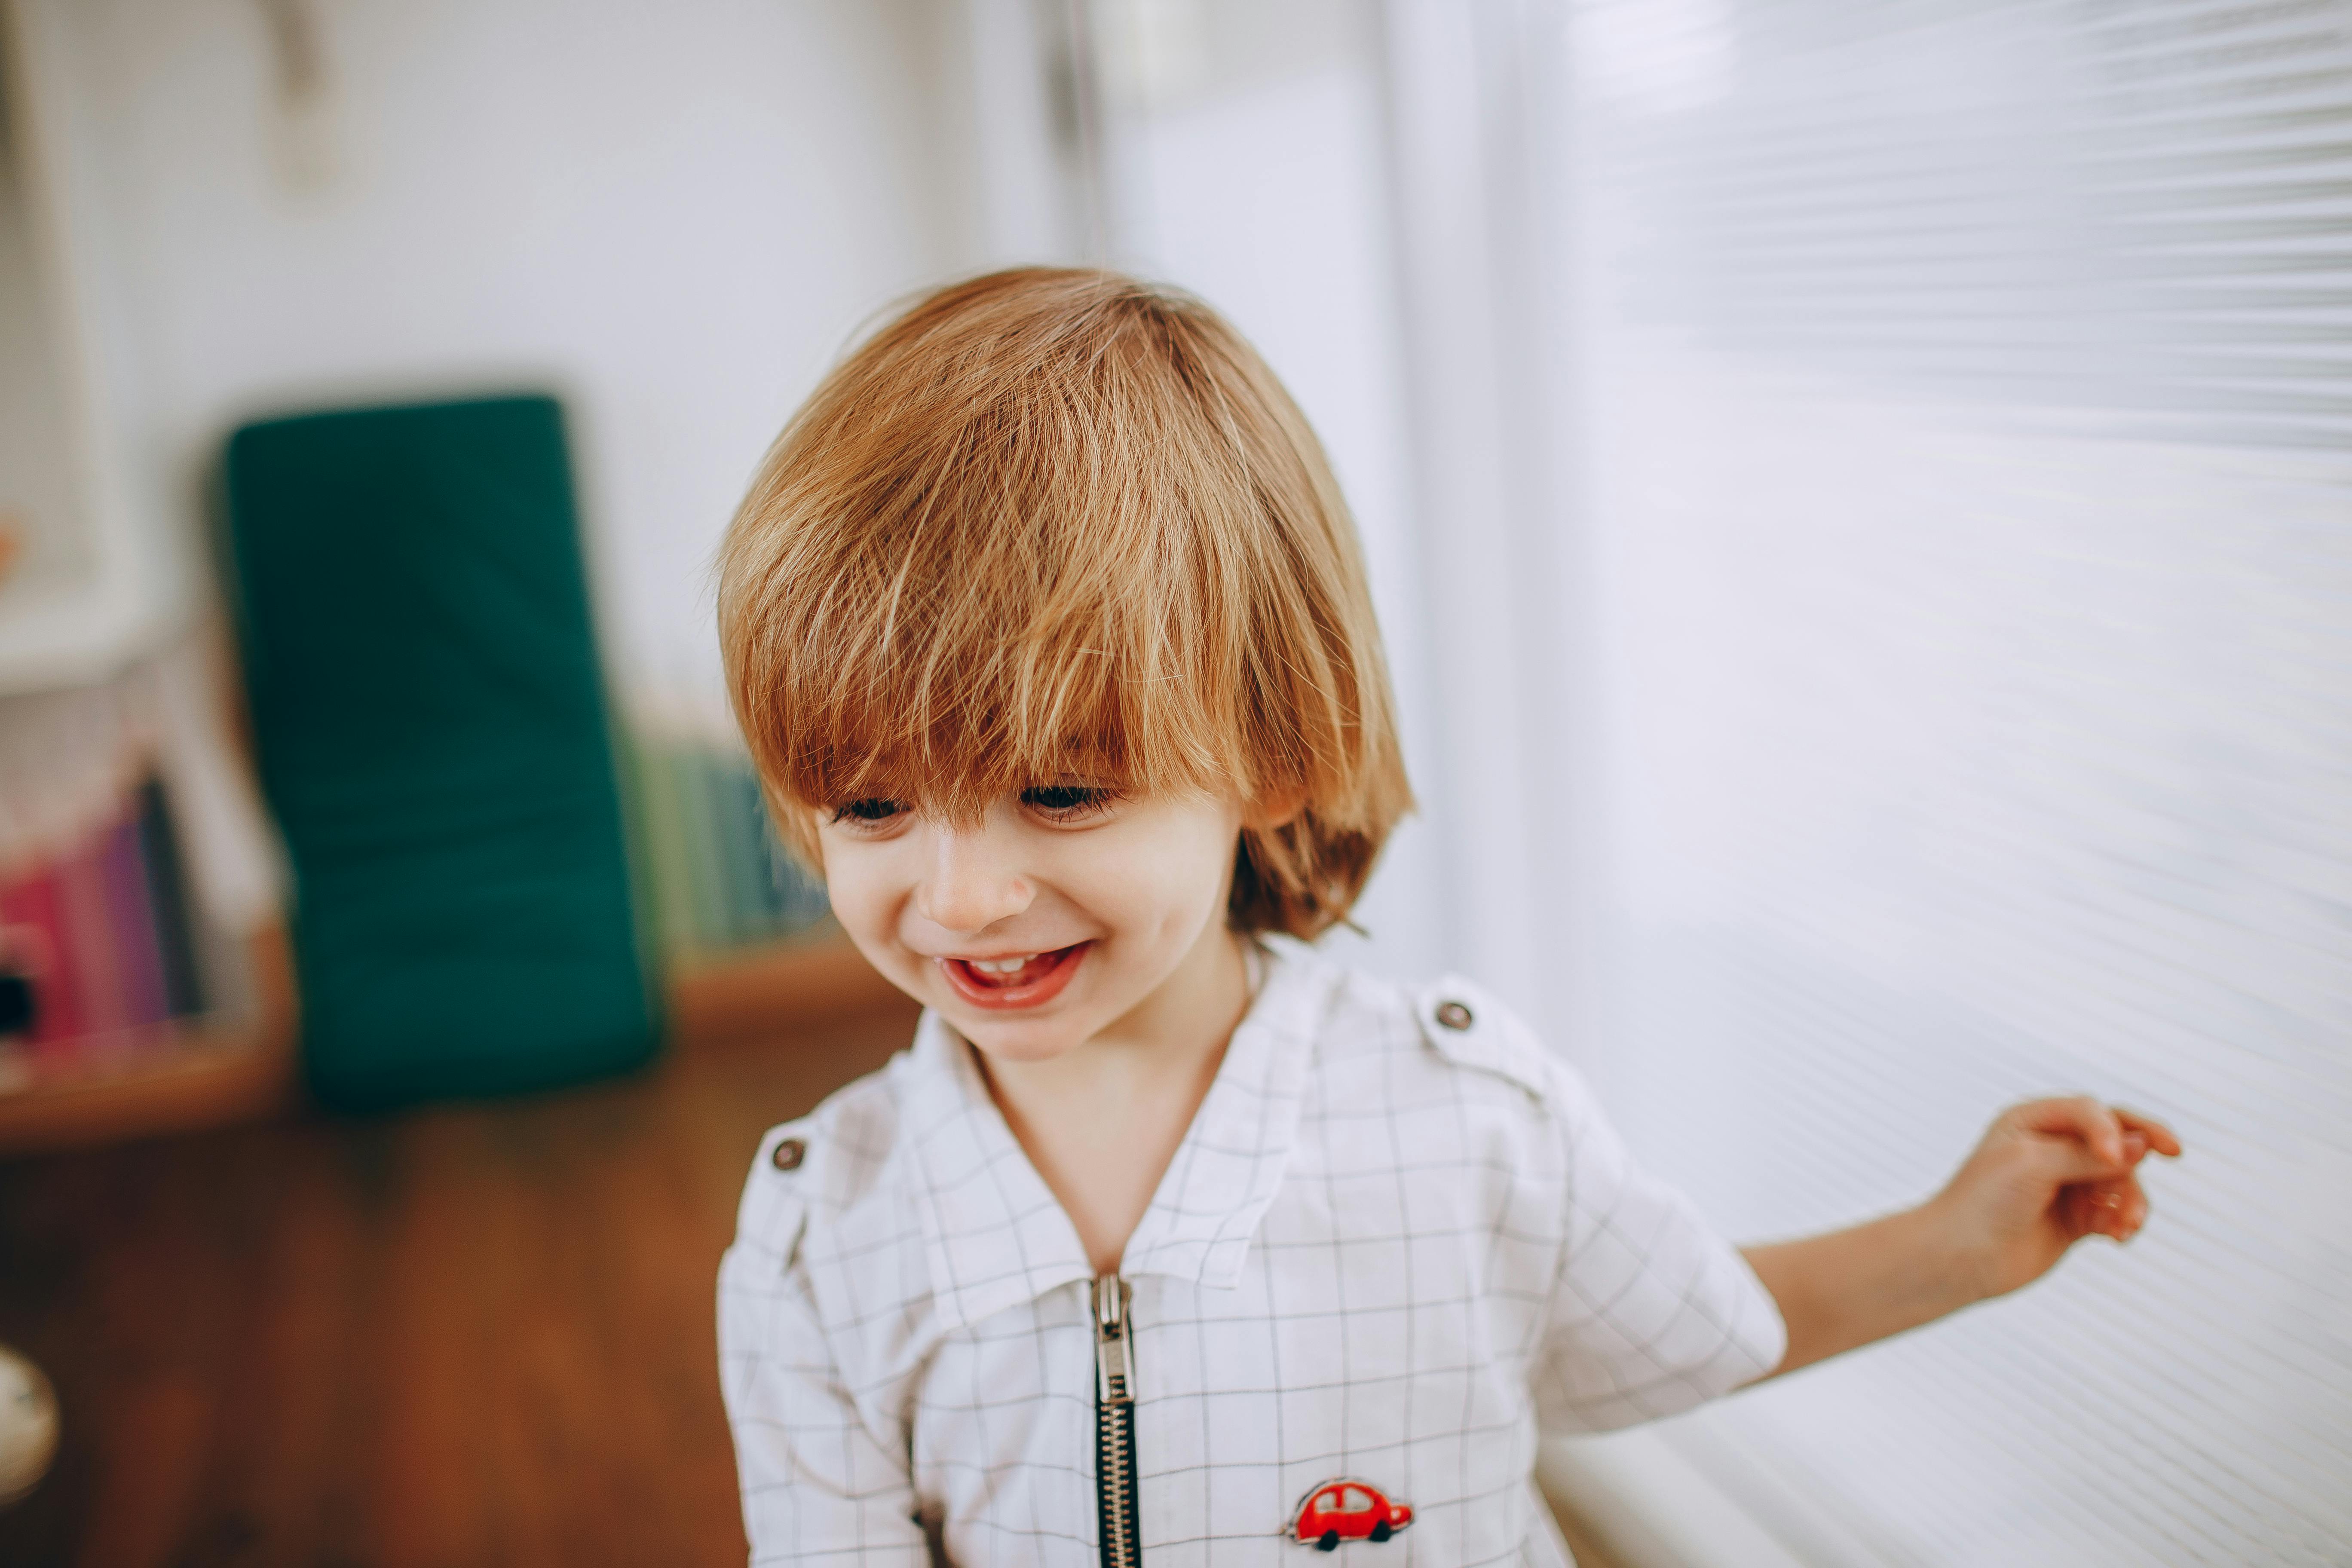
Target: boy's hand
<point>2044,1177</point>
<point>2048,1174</point>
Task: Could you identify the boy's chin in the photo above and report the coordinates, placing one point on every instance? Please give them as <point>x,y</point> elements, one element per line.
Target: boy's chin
<point>1003,1039</point>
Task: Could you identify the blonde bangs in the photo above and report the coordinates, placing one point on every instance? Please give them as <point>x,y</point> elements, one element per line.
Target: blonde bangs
<point>1055,526</point>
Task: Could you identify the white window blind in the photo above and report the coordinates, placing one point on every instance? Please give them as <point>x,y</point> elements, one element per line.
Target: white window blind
<point>1966,419</point>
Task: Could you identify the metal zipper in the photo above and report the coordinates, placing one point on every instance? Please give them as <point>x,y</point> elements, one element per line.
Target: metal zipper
<point>1115,1424</point>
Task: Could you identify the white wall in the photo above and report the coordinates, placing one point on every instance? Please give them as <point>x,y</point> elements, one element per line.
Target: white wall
<point>35,480</point>
<point>1244,159</point>
<point>676,216</point>
<point>672,214</point>
<point>1963,718</point>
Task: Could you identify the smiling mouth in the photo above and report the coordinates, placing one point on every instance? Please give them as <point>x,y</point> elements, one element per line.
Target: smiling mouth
<point>1016,980</point>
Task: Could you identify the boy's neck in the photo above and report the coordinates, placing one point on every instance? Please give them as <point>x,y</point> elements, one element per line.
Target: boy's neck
<point>1101,1124</point>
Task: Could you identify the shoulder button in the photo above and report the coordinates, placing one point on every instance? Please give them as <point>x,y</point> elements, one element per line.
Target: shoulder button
<point>1465,1023</point>
<point>789,1154</point>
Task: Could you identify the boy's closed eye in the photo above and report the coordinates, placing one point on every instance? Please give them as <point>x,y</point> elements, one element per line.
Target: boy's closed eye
<point>867,813</point>
<point>1067,802</point>
<point>1058,802</point>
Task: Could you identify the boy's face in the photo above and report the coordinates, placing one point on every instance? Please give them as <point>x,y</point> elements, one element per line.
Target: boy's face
<point>1068,913</point>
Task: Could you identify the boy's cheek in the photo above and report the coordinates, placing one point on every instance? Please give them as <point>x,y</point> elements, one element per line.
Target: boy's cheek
<point>873,936</point>
<point>849,889</point>
<point>859,913</point>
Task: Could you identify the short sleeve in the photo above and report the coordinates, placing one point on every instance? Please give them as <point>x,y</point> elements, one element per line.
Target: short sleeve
<point>1653,1312</point>
<point>819,1485</point>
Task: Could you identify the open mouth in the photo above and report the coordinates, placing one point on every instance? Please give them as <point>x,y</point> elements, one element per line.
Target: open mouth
<point>1015,980</point>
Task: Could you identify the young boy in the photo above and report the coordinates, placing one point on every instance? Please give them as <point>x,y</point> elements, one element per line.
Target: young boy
<point>1046,625</point>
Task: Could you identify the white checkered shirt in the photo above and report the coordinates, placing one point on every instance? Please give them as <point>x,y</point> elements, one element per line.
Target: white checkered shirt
<point>1388,1249</point>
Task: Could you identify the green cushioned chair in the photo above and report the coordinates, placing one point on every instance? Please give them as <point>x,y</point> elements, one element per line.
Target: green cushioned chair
<point>431,735</point>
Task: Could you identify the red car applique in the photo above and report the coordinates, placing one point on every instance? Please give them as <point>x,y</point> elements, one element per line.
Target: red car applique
<point>1347,1510</point>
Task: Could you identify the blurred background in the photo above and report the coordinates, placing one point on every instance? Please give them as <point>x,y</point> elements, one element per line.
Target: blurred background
<point>1860,501</point>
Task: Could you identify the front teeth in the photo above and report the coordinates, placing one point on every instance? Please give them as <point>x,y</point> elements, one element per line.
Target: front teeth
<point>1001,965</point>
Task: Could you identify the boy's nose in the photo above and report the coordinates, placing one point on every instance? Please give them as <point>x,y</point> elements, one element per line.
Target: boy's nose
<point>969,887</point>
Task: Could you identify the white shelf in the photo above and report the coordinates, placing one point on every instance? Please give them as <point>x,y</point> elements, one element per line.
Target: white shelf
<point>99,580</point>
<point>78,636</point>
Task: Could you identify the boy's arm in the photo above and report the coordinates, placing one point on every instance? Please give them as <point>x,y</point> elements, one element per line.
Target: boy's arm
<point>817,1485</point>
<point>2046,1175</point>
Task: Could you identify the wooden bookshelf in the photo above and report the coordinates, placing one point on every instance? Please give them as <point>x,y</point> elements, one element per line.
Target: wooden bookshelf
<point>205,1074</point>
<point>215,1075</point>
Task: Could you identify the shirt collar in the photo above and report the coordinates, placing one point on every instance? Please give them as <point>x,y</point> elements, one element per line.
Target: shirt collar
<point>997,1237</point>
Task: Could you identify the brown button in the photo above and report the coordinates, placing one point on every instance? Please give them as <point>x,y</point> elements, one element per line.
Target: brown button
<point>790,1154</point>
<point>1454,1014</point>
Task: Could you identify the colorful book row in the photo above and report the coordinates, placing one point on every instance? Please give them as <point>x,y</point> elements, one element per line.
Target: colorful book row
<point>719,876</point>
<point>95,943</point>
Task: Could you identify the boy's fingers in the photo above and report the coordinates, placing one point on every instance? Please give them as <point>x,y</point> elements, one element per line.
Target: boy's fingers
<point>2160,1137</point>
<point>2077,1116</point>
<point>2116,1207</point>
<point>2066,1162</point>
<point>2077,1215</point>
<point>2083,1217</point>
<point>2125,1136</point>
<point>2089,1213</point>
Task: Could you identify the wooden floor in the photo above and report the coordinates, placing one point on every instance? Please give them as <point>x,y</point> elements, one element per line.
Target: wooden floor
<point>470,1336</point>
<point>476,1336</point>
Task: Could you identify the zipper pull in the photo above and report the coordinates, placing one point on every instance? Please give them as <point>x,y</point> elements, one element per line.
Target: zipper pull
<point>1114,1351</point>
<point>1122,1537</point>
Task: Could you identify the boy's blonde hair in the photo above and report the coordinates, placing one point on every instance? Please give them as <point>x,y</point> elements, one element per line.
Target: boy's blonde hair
<point>1057,525</point>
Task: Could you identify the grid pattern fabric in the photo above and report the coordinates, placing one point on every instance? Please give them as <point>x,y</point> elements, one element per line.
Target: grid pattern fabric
<point>1387,1250</point>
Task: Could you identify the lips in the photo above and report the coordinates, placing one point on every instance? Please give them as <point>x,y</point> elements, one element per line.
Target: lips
<point>1016,980</point>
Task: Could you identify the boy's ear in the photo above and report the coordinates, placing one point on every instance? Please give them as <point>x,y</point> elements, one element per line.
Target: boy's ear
<point>1279,809</point>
